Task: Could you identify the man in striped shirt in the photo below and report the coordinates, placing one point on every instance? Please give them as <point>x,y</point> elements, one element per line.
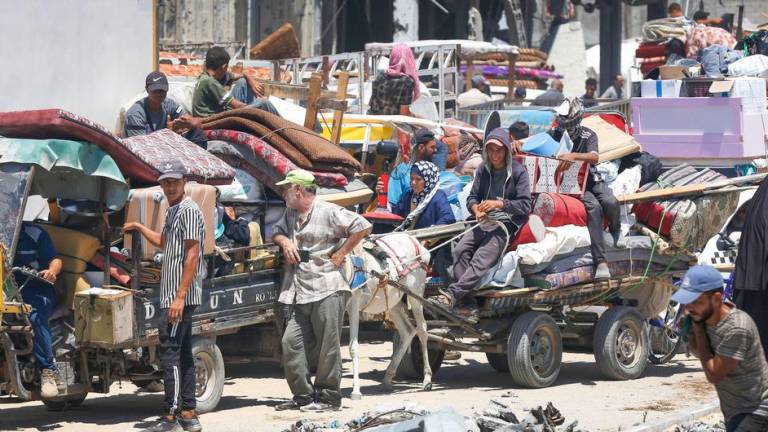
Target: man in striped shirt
<point>315,237</point>
<point>181,277</point>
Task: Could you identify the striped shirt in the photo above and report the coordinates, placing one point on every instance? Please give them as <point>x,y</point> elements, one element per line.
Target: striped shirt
<point>745,390</point>
<point>325,230</point>
<point>184,221</point>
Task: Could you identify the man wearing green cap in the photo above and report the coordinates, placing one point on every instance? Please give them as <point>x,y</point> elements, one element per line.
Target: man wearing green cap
<point>726,341</point>
<point>315,237</point>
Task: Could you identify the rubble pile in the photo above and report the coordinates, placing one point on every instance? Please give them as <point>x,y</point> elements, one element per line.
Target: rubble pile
<point>701,427</point>
<point>497,416</point>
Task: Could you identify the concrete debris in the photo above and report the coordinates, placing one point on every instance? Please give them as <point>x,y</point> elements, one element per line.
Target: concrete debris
<point>495,417</point>
<point>701,427</point>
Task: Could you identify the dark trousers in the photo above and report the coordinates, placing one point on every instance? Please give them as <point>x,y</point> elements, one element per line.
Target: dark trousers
<point>42,299</point>
<point>599,201</point>
<point>177,362</point>
<point>473,257</point>
<point>755,304</point>
<point>747,423</point>
<point>313,333</point>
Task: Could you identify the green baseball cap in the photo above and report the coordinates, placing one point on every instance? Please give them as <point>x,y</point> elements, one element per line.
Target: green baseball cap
<point>298,177</point>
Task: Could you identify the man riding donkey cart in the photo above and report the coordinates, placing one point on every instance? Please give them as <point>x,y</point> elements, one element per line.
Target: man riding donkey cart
<point>500,200</point>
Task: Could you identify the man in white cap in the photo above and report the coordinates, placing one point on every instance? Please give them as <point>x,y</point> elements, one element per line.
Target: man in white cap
<point>726,341</point>
<point>315,237</point>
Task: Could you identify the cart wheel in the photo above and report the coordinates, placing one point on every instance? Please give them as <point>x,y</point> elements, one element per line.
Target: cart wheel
<point>534,350</point>
<point>412,365</point>
<point>663,337</point>
<point>209,374</point>
<point>621,343</point>
<point>498,362</point>
<point>65,402</point>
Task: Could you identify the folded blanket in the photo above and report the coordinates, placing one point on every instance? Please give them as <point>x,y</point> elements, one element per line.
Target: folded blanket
<point>313,146</point>
<point>255,152</point>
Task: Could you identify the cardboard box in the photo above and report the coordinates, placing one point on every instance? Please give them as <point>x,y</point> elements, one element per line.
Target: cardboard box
<point>103,317</point>
<point>660,88</point>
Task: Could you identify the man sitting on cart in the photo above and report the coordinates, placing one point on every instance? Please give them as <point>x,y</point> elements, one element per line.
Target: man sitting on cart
<point>35,250</point>
<point>598,198</point>
<point>500,199</point>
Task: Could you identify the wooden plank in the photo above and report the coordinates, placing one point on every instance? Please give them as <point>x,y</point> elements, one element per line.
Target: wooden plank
<point>333,104</point>
<point>292,91</point>
<point>506,293</point>
<point>338,115</point>
<point>511,75</point>
<point>314,93</point>
<point>688,190</point>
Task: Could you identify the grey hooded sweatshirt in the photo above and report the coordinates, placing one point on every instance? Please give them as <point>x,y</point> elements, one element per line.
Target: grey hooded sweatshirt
<point>516,191</point>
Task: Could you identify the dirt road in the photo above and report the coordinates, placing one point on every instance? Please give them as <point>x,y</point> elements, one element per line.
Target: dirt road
<point>252,390</point>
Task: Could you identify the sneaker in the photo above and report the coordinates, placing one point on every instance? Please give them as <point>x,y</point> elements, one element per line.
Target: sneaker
<point>320,406</point>
<point>602,271</point>
<point>618,240</point>
<point>290,405</point>
<point>48,384</point>
<point>190,424</point>
<point>165,425</point>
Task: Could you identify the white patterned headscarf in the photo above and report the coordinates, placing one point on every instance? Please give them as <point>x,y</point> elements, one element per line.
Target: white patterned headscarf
<point>431,175</point>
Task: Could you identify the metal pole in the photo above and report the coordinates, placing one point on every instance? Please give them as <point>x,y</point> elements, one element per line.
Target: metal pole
<point>441,83</point>
<point>610,42</point>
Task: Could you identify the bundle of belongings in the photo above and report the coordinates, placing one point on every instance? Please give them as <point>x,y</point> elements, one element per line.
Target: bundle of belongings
<point>552,249</point>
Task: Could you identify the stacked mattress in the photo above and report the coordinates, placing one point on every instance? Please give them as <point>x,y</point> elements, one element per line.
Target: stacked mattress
<point>138,158</point>
<point>303,147</point>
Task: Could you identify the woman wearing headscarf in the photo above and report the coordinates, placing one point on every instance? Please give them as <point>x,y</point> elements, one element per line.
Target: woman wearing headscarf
<point>398,87</point>
<point>425,205</point>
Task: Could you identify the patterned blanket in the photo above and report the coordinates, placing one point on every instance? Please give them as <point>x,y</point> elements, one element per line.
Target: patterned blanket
<point>137,159</point>
<point>263,156</point>
<point>687,223</point>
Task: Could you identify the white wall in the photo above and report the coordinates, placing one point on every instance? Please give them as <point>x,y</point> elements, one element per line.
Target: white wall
<point>85,56</point>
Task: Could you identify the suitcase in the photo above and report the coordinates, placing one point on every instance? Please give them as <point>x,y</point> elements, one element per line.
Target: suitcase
<point>148,206</point>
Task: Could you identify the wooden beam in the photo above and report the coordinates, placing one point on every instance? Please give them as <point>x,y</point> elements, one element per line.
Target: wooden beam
<point>332,104</point>
<point>338,115</point>
<point>511,75</point>
<point>314,93</point>
<point>291,91</point>
<point>688,190</point>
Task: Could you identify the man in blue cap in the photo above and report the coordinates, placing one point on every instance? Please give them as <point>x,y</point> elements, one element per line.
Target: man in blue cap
<point>728,345</point>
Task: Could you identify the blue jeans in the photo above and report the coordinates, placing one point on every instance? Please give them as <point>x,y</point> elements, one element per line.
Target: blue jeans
<point>43,300</point>
<point>243,93</point>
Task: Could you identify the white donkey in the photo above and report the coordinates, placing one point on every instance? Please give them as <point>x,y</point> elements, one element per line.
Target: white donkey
<point>404,260</point>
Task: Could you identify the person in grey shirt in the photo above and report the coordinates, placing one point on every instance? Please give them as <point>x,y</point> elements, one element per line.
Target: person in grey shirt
<point>727,343</point>
<point>157,111</point>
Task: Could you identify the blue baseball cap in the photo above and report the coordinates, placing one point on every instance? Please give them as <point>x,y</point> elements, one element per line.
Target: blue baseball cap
<point>698,280</point>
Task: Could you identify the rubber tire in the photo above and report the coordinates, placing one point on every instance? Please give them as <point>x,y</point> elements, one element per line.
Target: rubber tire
<point>412,365</point>
<point>519,345</point>
<point>605,343</point>
<point>73,401</point>
<point>498,362</point>
<point>210,399</point>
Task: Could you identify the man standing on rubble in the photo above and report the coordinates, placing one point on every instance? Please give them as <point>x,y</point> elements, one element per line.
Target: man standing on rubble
<point>598,198</point>
<point>500,200</point>
<point>726,341</point>
<point>181,278</point>
<point>315,238</point>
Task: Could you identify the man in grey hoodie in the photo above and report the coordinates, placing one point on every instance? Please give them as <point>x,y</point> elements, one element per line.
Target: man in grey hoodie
<point>500,194</point>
